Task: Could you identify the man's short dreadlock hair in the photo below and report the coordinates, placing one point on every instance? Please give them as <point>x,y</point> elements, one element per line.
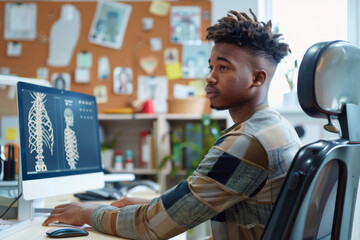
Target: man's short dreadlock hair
<point>239,29</point>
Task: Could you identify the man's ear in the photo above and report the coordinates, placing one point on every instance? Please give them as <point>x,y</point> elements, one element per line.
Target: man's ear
<point>259,78</point>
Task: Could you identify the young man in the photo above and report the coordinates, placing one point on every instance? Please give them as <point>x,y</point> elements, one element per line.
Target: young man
<point>239,179</point>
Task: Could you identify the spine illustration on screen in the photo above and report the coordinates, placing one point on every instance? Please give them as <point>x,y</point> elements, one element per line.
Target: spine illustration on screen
<point>40,130</point>
<point>70,142</point>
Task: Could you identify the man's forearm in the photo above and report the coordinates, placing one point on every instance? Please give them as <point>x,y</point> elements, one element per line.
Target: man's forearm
<point>115,221</point>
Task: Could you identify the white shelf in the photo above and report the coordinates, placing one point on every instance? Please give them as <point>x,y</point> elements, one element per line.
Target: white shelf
<point>129,126</point>
<point>11,183</point>
<point>136,171</point>
<point>104,117</point>
<point>170,116</point>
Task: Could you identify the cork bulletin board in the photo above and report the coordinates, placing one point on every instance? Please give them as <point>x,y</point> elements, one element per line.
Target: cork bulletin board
<point>134,46</point>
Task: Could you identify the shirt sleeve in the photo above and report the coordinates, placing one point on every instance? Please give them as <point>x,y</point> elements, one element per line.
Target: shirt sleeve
<point>220,181</point>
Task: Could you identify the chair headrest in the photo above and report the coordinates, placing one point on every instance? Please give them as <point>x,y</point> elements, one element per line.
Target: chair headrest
<point>329,78</point>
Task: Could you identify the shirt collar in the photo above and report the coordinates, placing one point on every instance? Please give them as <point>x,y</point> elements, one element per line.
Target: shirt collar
<point>247,117</point>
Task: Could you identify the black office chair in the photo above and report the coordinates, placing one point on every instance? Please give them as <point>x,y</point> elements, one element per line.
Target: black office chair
<point>320,192</point>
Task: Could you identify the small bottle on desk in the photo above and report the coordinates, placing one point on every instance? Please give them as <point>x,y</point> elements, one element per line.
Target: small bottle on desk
<point>118,161</point>
<point>129,162</point>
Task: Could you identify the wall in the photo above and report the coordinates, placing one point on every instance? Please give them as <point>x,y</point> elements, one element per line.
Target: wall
<point>135,45</point>
<point>35,53</point>
<point>221,7</point>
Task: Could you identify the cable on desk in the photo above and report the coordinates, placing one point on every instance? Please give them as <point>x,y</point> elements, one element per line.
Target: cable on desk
<point>16,199</point>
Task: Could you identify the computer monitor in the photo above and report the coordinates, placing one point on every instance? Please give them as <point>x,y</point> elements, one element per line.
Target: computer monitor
<point>59,142</point>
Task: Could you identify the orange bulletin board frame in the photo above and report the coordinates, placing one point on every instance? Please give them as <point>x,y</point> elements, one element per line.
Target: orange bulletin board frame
<point>135,44</point>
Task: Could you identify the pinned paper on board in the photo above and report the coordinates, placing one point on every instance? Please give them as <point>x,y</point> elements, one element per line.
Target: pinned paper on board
<point>185,24</point>
<point>4,70</point>
<point>9,128</point>
<point>82,75</point>
<point>10,134</point>
<point>173,71</point>
<point>123,80</point>
<point>61,81</point>
<point>20,21</point>
<point>84,60</point>
<point>148,24</point>
<point>13,49</point>
<point>154,88</point>
<point>148,64</point>
<point>64,36</point>
<point>156,44</point>
<point>109,25</point>
<point>195,60</point>
<point>199,87</point>
<point>42,73</point>
<point>103,68</point>
<point>172,65</point>
<point>100,93</point>
<point>183,91</point>
<point>171,55</point>
<point>159,8</point>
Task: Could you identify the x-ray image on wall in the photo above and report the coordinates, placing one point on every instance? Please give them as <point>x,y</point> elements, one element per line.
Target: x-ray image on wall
<point>195,60</point>
<point>185,24</point>
<point>109,24</point>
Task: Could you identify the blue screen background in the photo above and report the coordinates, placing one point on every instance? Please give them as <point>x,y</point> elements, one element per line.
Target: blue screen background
<point>85,127</point>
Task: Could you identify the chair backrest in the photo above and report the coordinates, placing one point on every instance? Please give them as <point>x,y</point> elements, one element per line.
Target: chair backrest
<point>320,197</point>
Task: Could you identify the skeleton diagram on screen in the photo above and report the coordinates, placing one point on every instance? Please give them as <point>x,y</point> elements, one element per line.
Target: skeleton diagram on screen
<point>70,142</point>
<point>40,130</point>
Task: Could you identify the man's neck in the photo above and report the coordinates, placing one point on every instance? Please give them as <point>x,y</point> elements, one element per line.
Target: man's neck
<point>240,115</point>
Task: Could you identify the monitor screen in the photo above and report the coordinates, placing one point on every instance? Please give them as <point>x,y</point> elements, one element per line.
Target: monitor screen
<point>59,142</point>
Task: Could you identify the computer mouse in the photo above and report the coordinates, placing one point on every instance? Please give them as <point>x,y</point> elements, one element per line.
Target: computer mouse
<point>66,232</point>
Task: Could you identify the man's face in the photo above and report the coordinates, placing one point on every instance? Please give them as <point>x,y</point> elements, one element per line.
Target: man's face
<point>230,81</point>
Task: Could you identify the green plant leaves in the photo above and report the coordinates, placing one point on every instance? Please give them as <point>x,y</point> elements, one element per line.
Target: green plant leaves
<point>211,132</point>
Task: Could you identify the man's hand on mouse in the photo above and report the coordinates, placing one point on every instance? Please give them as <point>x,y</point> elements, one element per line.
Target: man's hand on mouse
<point>75,213</point>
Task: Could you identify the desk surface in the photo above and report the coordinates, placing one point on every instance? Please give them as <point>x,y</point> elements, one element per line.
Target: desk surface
<point>33,230</point>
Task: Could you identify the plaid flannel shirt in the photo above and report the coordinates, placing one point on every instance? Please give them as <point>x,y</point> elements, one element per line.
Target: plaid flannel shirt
<point>235,186</point>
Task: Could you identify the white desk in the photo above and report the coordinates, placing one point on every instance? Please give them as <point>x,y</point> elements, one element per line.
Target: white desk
<point>33,230</point>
